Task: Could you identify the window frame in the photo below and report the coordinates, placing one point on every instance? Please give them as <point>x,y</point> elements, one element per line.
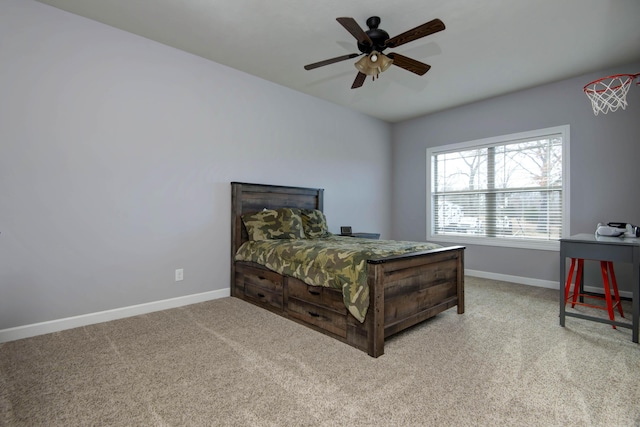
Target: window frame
<point>550,245</point>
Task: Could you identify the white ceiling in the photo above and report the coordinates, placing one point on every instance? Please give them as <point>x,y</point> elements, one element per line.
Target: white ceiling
<point>489,48</point>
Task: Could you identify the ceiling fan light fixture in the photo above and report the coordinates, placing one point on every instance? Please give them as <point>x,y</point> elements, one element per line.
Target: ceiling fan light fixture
<point>373,64</point>
<point>384,62</point>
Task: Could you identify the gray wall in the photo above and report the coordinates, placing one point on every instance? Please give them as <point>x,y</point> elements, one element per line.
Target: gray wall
<point>604,163</point>
<point>116,157</point>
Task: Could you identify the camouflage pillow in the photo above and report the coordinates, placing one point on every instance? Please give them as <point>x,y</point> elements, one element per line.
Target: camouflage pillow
<point>314,223</point>
<point>273,224</point>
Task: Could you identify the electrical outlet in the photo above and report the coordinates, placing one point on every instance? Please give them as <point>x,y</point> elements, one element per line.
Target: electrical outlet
<point>179,274</point>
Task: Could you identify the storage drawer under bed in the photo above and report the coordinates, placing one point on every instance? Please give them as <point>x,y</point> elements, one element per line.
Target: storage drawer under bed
<point>325,297</point>
<point>322,307</point>
<point>261,285</point>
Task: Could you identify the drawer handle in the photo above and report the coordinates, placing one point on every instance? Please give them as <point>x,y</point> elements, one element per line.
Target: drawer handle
<point>261,277</point>
<point>260,295</point>
<point>313,314</point>
<point>314,292</point>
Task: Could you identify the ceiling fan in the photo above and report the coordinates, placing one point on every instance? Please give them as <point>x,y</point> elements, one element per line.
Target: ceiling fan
<point>373,41</point>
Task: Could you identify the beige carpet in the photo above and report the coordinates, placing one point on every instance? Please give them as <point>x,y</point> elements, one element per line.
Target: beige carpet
<point>505,362</point>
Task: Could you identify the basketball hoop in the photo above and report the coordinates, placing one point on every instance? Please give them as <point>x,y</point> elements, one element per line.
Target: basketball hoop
<point>609,93</point>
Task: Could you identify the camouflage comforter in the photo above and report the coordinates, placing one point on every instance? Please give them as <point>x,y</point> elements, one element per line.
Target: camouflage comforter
<point>334,261</point>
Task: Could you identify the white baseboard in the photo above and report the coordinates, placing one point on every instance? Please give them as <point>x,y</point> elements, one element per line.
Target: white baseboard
<point>514,279</point>
<point>32,330</point>
<point>534,282</point>
<point>599,290</point>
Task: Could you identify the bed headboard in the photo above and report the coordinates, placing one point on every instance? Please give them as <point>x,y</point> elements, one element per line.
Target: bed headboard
<point>249,198</point>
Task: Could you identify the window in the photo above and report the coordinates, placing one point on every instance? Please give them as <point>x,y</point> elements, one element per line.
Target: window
<point>511,190</point>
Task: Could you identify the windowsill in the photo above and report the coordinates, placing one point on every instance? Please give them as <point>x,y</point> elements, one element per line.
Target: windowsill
<point>553,245</point>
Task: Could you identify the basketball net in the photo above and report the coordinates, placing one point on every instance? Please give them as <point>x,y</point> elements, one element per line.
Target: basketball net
<point>609,93</point>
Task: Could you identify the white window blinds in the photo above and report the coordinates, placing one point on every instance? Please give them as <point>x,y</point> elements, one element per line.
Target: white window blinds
<point>506,189</point>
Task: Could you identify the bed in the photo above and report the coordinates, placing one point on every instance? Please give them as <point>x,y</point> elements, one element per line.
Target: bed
<point>403,290</point>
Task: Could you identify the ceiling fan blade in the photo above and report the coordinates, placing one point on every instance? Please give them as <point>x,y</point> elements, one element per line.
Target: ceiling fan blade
<point>409,64</point>
<point>359,81</point>
<point>356,31</point>
<point>331,61</point>
<point>420,31</point>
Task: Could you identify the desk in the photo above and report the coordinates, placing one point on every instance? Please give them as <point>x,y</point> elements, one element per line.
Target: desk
<point>600,248</point>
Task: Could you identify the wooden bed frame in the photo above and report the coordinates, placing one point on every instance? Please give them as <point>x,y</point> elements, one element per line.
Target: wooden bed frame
<point>403,290</point>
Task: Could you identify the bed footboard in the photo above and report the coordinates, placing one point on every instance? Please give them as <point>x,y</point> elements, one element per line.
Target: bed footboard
<point>406,290</point>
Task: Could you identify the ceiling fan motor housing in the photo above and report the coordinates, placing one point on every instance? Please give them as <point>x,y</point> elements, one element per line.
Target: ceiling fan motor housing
<point>377,36</point>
